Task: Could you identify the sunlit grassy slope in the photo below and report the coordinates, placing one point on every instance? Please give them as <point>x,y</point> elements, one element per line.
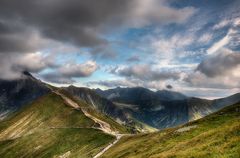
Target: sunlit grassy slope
<point>48,128</point>
<point>217,136</point>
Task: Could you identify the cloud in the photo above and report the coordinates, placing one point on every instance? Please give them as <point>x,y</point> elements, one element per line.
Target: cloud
<point>66,73</point>
<point>57,78</point>
<point>167,51</point>
<point>112,83</point>
<point>231,39</point>
<point>78,70</point>
<point>33,25</point>
<point>138,76</point>
<point>34,62</point>
<point>175,43</point>
<point>221,43</point>
<point>145,73</point>
<point>199,80</point>
<point>12,65</point>
<point>205,38</point>
<point>221,24</point>
<point>128,83</point>
<point>154,11</point>
<point>227,22</point>
<point>133,58</point>
<point>18,38</point>
<point>219,71</point>
<point>82,23</point>
<point>222,63</point>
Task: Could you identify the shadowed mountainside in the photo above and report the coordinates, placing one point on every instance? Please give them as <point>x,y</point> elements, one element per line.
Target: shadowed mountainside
<point>16,93</point>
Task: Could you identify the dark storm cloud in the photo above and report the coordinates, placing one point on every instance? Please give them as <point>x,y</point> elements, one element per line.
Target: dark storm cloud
<point>73,21</point>
<point>169,86</point>
<point>15,37</point>
<point>221,63</point>
<point>81,22</point>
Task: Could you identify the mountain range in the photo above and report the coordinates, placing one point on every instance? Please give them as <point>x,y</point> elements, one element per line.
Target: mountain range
<point>39,120</point>
<point>137,106</point>
<point>160,109</point>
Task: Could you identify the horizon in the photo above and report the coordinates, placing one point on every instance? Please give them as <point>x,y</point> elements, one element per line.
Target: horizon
<point>153,90</point>
<point>184,46</point>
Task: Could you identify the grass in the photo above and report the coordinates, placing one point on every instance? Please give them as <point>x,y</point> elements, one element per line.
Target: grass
<point>55,142</point>
<point>48,127</point>
<point>217,135</point>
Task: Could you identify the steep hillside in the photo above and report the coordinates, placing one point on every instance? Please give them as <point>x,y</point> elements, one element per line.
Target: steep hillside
<point>16,93</point>
<point>94,112</point>
<point>198,108</point>
<point>99,103</point>
<point>159,109</point>
<point>217,135</point>
<point>138,95</point>
<point>50,127</point>
<point>103,106</point>
<point>163,109</point>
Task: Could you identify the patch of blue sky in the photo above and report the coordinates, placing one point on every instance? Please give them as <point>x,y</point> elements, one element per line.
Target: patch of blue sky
<point>202,3</point>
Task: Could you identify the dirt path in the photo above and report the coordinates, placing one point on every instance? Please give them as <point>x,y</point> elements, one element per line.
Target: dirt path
<point>119,136</point>
<point>104,126</point>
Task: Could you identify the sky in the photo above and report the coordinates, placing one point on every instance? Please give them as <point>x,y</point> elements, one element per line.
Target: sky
<point>188,46</point>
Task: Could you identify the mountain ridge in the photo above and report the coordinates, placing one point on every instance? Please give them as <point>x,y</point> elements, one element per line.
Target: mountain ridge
<point>161,112</point>
<point>16,93</point>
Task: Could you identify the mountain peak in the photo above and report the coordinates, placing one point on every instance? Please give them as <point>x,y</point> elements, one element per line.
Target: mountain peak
<point>26,73</point>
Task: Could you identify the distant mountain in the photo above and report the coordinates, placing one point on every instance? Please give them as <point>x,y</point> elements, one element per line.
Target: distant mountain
<point>163,108</point>
<point>106,106</point>
<point>101,104</point>
<point>136,107</point>
<point>170,95</point>
<point>19,92</point>
<point>159,109</point>
<point>138,94</point>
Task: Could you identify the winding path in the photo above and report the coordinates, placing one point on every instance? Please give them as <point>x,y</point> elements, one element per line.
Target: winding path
<point>119,136</point>
<point>104,126</point>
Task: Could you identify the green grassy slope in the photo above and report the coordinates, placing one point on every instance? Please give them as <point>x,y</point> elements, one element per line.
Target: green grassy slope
<point>217,135</point>
<point>47,128</point>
